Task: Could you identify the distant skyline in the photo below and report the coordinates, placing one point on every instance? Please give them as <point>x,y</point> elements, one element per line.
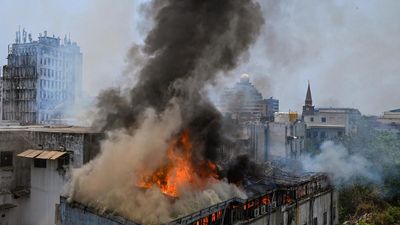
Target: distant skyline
<point>349,50</point>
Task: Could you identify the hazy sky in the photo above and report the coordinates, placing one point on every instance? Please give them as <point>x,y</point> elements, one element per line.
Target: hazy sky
<point>349,49</point>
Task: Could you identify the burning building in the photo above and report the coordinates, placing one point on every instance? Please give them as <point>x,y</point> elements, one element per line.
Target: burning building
<point>277,197</point>
<point>160,161</point>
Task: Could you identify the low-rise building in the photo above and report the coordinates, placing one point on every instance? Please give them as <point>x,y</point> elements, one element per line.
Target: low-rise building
<point>391,117</point>
<point>34,167</point>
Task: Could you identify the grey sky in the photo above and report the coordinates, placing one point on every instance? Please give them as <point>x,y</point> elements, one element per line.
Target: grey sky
<point>348,49</point>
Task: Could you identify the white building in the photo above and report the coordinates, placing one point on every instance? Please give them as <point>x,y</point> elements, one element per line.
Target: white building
<point>42,79</point>
<point>286,136</point>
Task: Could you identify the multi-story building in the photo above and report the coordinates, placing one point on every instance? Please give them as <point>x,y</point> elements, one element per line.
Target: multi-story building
<point>42,78</point>
<point>328,123</point>
<point>286,136</point>
<point>245,103</point>
<point>272,107</point>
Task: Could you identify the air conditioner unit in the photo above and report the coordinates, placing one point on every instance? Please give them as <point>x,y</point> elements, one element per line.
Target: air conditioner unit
<point>263,209</point>
<point>256,212</point>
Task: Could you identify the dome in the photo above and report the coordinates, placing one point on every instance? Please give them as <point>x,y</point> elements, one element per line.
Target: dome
<point>245,78</point>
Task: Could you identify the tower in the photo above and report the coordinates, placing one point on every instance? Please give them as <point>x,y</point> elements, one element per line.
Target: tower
<point>308,108</point>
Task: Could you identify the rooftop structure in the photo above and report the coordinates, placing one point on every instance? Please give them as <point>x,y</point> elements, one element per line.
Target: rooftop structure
<point>42,78</point>
<point>308,108</point>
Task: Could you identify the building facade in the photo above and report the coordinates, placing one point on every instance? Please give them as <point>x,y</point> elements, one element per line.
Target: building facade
<point>328,123</point>
<point>272,107</point>
<point>41,80</point>
<point>245,103</point>
<point>35,164</point>
<point>391,117</point>
<point>332,123</point>
<point>286,136</point>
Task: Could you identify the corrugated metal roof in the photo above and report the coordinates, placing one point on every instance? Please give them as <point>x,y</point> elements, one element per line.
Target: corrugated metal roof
<point>41,154</point>
<point>30,153</point>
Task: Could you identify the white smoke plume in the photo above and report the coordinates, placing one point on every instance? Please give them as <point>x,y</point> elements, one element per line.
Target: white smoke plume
<point>340,164</point>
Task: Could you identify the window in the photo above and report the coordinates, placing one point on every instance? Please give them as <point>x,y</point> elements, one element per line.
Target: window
<point>315,221</point>
<point>339,133</point>
<point>6,159</point>
<point>39,163</point>
<point>311,119</point>
<point>323,119</point>
<point>323,134</point>
<point>315,134</point>
<point>325,218</point>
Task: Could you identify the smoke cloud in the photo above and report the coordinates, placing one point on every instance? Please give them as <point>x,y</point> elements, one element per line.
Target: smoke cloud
<point>341,165</point>
<point>190,44</point>
<point>333,44</point>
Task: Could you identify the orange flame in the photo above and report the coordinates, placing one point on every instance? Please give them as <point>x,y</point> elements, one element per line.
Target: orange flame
<point>179,170</point>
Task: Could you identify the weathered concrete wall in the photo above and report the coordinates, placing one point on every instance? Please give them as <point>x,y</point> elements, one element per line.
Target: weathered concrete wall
<point>79,216</point>
<point>304,212</point>
<point>46,186</point>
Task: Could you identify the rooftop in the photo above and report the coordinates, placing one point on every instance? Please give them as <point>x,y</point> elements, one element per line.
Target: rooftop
<point>49,129</point>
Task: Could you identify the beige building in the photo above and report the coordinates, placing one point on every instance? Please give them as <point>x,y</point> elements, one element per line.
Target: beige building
<point>391,117</point>
<point>331,123</point>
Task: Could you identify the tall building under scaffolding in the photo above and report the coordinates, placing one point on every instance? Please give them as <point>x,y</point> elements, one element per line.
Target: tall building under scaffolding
<point>42,78</point>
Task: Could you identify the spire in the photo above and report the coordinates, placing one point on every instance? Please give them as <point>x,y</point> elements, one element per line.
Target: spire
<point>308,101</point>
<point>308,108</point>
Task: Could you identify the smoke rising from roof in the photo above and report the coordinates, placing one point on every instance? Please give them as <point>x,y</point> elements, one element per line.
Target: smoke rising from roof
<point>190,44</point>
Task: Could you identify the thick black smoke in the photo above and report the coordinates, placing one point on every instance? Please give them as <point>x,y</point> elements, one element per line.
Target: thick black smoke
<point>243,168</point>
<point>192,41</point>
